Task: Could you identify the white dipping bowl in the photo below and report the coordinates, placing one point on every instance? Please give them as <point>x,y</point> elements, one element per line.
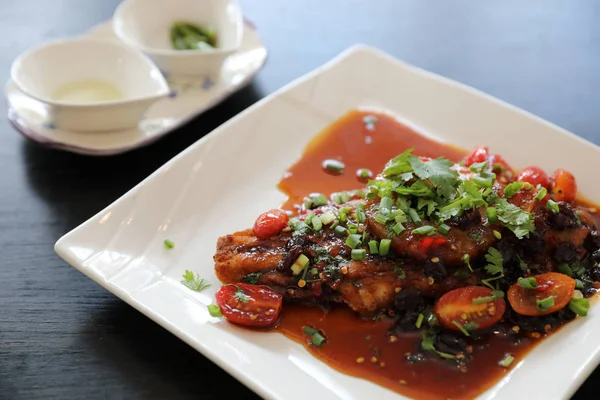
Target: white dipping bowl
<point>43,70</point>
<point>146,25</point>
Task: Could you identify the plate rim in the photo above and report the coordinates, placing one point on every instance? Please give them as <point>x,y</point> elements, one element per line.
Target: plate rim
<point>237,373</point>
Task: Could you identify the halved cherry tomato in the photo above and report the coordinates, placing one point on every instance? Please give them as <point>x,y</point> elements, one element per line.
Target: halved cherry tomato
<point>564,186</point>
<point>249,305</point>
<point>560,286</point>
<point>270,223</point>
<point>457,307</point>
<point>496,160</point>
<point>479,154</point>
<point>535,176</point>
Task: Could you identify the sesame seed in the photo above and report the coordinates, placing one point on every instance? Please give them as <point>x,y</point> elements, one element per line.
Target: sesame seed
<point>382,364</point>
<point>402,382</point>
<point>322,275</point>
<point>460,356</point>
<point>407,354</point>
<point>536,335</point>
<point>393,339</point>
<point>344,270</point>
<point>516,328</point>
<point>548,328</point>
<point>291,291</point>
<point>360,360</point>
<point>430,280</point>
<point>253,316</point>
<point>453,247</point>
<point>464,316</point>
<point>435,259</point>
<point>469,349</point>
<point>398,289</point>
<point>463,368</point>
<point>373,359</point>
<point>301,283</point>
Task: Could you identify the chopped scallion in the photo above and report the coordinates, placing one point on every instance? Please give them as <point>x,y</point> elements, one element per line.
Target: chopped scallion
<point>423,230</point>
<point>381,218</point>
<point>542,192</point>
<point>401,218</point>
<point>364,173</point>
<point>360,214</point>
<point>579,306</point>
<point>419,322</point>
<point>384,247</point>
<point>414,216</point>
<point>552,206</point>
<point>327,218</point>
<point>461,328</point>
<point>544,304</point>
<point>398,228</point>
<point>497,234</point>
<point>334,166</point>
<point>491,214</point>
<point>340,230</point>
<point>298,266</point>
<point>336,198</point>
<point>565,269</point>
<point>314,271</point>
<point>528,283</point>
<point>214,311</point>
<point>373,247</point>
<point>353,240</point>
<point>507,361</point>
<point>345,196</point>
<point>318,199</point>
<point>169,244</point>
<point>317,340</point>
<point>358,254</point>
<point>386,202</point>
<point>443,229</point>
<point>480,181</point>
<point>316,223</point>
<point>481,300</point>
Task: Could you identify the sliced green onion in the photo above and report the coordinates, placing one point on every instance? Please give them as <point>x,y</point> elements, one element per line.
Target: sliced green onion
<point>364,173</point>
<point>358,254</point>
<point>544,304</point>
<point>507,361</point>
<point>419,322</point>
<point>336,198</point>
<point>340,230</point>
<point>314,271</point>
<point>491,214</point>
<point>578,284</point>
<point>497,234</point>
<point>480,181</point>
<point>398,228</point>
<point>414,216</point>
<point>317,340</point>
<point>308,204</point>
<point>542,192</point>
<point>565,269</point>
<point>423,230</point>
<point>552,206</point>
<point>381,218</point>
<point>343,216</point>
<point>481,300</point>
<point>318,199</point>
<point>384,247</point>
<point>579,306</point>
<point>360,214</point>
<point>316,223</point>
<point>512,188</point>
<point>334,166</point>
<point>309,330</point>
<point>401,218</point>
<point>169,244</point>
<point>528,283</point>
<point>214,311</point>
<point>345,197</point>
<point>443,229</point>
<point>461,328</point>
<point>353,240</point>
<point>327,218</point>
<point>298,266</point>
<point>373,247</point>
<point>386,202</point>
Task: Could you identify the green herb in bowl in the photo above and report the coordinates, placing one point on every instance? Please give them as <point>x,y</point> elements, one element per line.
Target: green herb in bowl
<point>189,36</point>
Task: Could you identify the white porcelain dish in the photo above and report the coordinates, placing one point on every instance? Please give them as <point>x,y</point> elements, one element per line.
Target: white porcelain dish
<point>187,99</point>
<point>43,70</point>
<point>121,248</point>
<point>145,25</point>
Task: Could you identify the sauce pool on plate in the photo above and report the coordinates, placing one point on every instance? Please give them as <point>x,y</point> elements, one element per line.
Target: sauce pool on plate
<point>343,157</point>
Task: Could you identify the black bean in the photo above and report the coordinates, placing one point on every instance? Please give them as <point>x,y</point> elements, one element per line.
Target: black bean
<point>293,248</point>
<point>447,342</point>
<point>565,218</point>
<point>435,270</point>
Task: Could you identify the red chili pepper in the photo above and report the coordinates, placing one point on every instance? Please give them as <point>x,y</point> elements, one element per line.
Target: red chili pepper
<point>429,243</point>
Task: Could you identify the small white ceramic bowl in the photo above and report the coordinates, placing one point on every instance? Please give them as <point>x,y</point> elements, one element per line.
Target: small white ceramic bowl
<point>146,25</point>
<point>45,70</point>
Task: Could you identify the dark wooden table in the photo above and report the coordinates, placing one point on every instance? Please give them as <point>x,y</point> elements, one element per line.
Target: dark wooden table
<point>64,337</point>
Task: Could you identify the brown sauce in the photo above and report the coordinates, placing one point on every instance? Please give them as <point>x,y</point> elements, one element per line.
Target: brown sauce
<point>362,347</point>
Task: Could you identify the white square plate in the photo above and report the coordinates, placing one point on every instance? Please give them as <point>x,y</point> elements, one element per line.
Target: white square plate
<point>221,183</point>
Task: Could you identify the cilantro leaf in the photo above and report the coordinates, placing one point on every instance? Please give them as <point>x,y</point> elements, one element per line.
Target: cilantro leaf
<point>514,218</point>
<point>418,189</point>
<point>252,278</point>
<point>398,165</point>
<point>438,172</point>
<point>512,188</point>
<point>430,204</point>
<point>194,281</point>
<point>427,343</point>
<point>495,262</point>
<point>241,296</point>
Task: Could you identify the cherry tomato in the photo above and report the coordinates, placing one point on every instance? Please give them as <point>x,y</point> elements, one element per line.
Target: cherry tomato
<point>479,154</point>
<point>457,307</point>
<point>496,160</point>
<point>249,305</point>
<point>564,186</point>
<point>270,223</point>
<point>560,286</point>
<point>535,176</point>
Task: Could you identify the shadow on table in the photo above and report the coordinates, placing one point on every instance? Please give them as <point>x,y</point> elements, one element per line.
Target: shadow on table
<point>149,361</point>
<point>76,187</point>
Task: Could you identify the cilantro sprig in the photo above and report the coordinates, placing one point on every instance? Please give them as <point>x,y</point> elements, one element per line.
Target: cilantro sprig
<point>194,281</point>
